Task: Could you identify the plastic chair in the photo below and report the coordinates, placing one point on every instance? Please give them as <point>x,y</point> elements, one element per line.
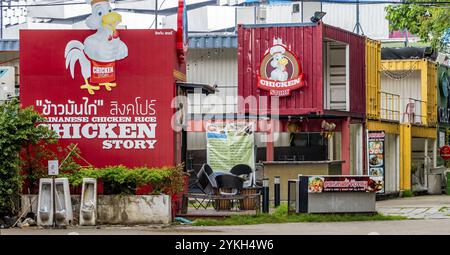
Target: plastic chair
<point>228,182</point>
<point>247,171</point>
<point>409,112</point>
<point>207,185</point>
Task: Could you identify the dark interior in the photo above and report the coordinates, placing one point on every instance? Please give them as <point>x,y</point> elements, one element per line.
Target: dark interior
<point>304,147</point>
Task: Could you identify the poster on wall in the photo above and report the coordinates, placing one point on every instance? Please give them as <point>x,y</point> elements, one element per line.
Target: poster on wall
<point>319,184</point>
<point>229,144</point>
<point>376,157</point>
<point>441,139</point>
<point>113,99</point>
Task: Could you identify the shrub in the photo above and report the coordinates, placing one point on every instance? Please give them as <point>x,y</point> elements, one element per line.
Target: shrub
<point>122,180</point>
<point>18,129</point>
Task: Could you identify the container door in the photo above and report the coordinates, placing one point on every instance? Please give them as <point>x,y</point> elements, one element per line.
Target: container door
<point>356,149</point>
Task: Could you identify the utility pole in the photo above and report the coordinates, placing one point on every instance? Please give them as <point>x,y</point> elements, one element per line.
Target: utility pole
<point>357,25</point>
<point>156,14</point>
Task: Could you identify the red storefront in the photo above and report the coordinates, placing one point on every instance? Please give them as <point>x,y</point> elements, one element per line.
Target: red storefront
<point>317,72</point>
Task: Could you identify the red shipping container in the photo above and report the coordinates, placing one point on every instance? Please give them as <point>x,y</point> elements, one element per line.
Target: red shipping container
<point>306,42</point>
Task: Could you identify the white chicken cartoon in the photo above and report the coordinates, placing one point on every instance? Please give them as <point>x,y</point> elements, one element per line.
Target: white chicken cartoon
<point>279,61</point>
<point>98,53</point>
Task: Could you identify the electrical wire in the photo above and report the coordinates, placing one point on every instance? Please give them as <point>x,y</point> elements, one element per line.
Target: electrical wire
<point>159,8</point>
<point>11,4</point>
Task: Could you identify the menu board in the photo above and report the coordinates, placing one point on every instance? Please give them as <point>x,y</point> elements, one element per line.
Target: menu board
<point>344,183</point>
<point>229,144</point>
<point>376,159</point>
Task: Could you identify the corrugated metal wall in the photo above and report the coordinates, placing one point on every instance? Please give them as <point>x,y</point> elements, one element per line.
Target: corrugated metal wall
<point>305,42</point>
<point>409,87</point>
<point>432,94</point>
<point>213,67</point>
<point>357,62</point>
<point>344,16</point>
<point>373,86</point>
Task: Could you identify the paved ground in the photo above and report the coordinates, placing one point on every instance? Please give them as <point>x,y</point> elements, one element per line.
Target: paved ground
<point>409,227</point>
<point>421,207</point>
<point>433,211</point>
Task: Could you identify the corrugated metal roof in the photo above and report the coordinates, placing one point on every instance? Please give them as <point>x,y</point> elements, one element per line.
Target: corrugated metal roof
<point>212,41</point>
<point>9,45</point>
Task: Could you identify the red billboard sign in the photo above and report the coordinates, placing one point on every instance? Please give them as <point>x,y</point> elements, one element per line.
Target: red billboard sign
<point>112,97</point>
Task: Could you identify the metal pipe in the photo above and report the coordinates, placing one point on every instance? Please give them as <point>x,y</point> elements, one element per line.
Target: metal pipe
<point>265,194</point>
<point>156,14</point>
<point>276,190</point>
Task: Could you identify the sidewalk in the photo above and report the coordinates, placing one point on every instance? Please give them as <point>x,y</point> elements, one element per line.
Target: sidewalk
<point>420,207</point>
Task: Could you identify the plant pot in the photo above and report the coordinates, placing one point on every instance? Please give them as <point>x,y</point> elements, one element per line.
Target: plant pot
<point>248,203</point>
<point>223,204</point>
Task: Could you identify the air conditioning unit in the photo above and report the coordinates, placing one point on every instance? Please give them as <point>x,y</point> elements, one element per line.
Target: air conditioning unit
<point>7,82</point>
<point>262,14</point>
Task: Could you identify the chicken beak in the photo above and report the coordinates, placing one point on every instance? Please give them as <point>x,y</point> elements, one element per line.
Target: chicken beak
<point>111,20</point>
<point>283,61</point>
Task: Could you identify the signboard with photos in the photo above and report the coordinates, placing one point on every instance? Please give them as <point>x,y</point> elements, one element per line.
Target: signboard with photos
<point>376,156</point>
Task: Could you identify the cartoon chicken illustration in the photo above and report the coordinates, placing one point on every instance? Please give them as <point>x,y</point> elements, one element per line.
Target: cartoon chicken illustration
<point>99,52</point>
<point>279,61</point>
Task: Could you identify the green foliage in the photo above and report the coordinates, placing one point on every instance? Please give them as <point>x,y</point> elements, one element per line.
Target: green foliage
<point>427,22</point>
<point>71,156</point>
<point>18,129</point>
<point>123,180</point>
<point>407,193</point>
<point>280,216</point>
<point>35,162</point>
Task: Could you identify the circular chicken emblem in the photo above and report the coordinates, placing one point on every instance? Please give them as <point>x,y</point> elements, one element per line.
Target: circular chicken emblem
<point>280,71</point>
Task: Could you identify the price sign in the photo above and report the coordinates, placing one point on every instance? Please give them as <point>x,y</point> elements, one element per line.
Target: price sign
<point>53,167</point>
<point>445,152</point>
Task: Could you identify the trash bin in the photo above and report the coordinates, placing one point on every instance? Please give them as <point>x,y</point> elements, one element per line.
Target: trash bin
<point>434,184</point>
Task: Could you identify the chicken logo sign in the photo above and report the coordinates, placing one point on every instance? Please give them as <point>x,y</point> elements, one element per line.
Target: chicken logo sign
<point>98,54</point>
<point>280,71</point>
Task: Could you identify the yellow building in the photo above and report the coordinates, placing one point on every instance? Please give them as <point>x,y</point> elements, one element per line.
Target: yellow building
<point>401,100</point>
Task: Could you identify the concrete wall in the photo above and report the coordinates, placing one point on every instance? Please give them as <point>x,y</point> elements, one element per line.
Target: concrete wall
<point>341,202</point>
<point>117,209</point>
<point>291,171</point>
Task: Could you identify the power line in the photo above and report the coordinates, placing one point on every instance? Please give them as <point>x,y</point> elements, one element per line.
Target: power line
<point>57,4</point>
<point>156,11</point>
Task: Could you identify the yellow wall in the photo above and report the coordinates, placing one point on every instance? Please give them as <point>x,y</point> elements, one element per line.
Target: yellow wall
<point>405,156</point>
<point>373,87</point>
<point>432,93</point>
<point>428,84</point>
<point>388,127</point>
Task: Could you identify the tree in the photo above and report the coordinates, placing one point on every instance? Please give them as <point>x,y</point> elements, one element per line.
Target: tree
<point>429,22</point>
<point>18,128</point>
